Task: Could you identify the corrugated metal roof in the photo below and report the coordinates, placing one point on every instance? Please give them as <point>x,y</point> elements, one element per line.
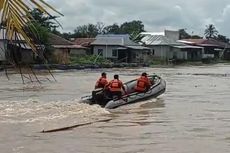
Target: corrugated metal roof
<point>112,39</point>
<point>206,43</point>
<point>153,33</point>
<point>84,41</point>
<point>69,46</point>
<point>138,47</point>
<point>158,40</point>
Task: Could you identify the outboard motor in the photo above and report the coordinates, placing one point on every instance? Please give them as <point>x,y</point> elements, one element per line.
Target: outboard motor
<point>98,97</point>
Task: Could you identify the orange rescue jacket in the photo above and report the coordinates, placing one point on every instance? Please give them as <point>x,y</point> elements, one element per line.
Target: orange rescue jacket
<point>101,82</point>
<point>143,83</point>
<point>115,85</point>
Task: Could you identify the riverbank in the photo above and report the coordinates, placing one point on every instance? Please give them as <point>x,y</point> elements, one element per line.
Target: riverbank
<point>87,66</point>
<point>117,65</point>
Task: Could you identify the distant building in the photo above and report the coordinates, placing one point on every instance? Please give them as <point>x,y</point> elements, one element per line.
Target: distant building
<point>85,42</point>
<point>3,47</point>
<point>212,48</point>
<point>119,48</point>
<point>165,46</point>
<point>60,52</point>
<point>64,49</point>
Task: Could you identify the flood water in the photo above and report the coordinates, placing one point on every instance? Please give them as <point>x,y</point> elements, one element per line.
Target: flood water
<point>192,116</point>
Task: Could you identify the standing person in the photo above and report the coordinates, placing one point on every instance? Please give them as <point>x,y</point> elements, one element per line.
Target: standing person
<point>115,87</point>
<point>102,81</point>
<point>143,83</point>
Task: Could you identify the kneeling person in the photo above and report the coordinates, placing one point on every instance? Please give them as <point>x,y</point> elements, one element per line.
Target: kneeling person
<point>115,87</point>
<point>143,83</point>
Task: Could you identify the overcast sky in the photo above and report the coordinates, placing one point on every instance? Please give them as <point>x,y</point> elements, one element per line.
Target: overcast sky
<point>156,15</point>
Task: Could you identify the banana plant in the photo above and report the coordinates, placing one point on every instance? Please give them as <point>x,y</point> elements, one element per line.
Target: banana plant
<point>15,17</point>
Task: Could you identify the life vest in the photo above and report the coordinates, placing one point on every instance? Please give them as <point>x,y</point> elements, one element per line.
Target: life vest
<point>142,84</point>
<point>101,83</point>
<point>115,85</point>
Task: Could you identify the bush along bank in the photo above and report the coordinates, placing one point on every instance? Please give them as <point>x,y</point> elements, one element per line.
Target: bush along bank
<point>87,66</point>
<point>87,62</point>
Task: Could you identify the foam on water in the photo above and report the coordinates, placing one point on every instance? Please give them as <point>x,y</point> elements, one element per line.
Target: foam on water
<point>33,110</point>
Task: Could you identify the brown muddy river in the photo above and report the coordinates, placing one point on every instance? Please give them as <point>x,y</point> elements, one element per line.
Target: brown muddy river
<point>192,116</point>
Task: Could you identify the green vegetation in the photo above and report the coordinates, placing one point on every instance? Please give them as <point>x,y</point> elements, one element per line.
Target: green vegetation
<point>133,28</point>
<point>210,31</point>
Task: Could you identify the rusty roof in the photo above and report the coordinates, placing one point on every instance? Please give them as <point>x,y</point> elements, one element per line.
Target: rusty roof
<point>84,41</point>
<point>206,42</point>
<point>58,40</point>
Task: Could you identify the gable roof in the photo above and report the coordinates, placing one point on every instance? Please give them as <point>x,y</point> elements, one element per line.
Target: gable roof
<point>158,40</point>
<point>112,39</point>
<point>57,40</point>
<point>84,41</point>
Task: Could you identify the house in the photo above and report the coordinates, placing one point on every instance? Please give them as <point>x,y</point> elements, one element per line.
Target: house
<point>85,42</point>
<point>9,50</point>
<point>60,52</point>
<point>3,47</point>
<point>212,48</point>
<point>119,48</point>
<point>21,52</point>
<point>64,49</point>
<point>165,46</point>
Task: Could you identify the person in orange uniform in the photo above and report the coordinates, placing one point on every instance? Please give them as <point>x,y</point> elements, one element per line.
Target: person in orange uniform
<point>143,83</point>
<point>115,87</point>
<point>102,81</point>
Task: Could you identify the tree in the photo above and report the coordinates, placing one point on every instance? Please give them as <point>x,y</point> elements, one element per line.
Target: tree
<point>133,27</point>
<point>112,29</point>
<point>222,38</point>
<point>44,20</point>
<point>86,31</point>
<point>183,34</point>
<point>210,31</point>
<point>17,21</point>
<point>100,27</point>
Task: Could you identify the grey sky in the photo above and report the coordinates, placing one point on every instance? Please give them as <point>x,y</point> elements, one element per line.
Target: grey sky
<point>156,15</point>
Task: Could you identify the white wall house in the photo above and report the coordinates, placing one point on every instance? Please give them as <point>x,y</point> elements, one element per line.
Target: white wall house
<point>164,46</point>
<point>119,48</point>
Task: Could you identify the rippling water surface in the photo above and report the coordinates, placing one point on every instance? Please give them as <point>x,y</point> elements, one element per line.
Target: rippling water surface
<point>193,116</point>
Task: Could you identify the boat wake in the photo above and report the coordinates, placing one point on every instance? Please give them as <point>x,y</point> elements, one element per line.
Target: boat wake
<point>30,111</point>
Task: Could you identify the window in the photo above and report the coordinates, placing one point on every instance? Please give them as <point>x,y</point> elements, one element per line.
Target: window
<point>114,52</point>
<point>100,52</point>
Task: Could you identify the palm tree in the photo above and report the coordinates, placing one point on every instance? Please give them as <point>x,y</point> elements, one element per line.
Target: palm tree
<point>17,24</point>
<point>16,15</point>
<point>210,31</point>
